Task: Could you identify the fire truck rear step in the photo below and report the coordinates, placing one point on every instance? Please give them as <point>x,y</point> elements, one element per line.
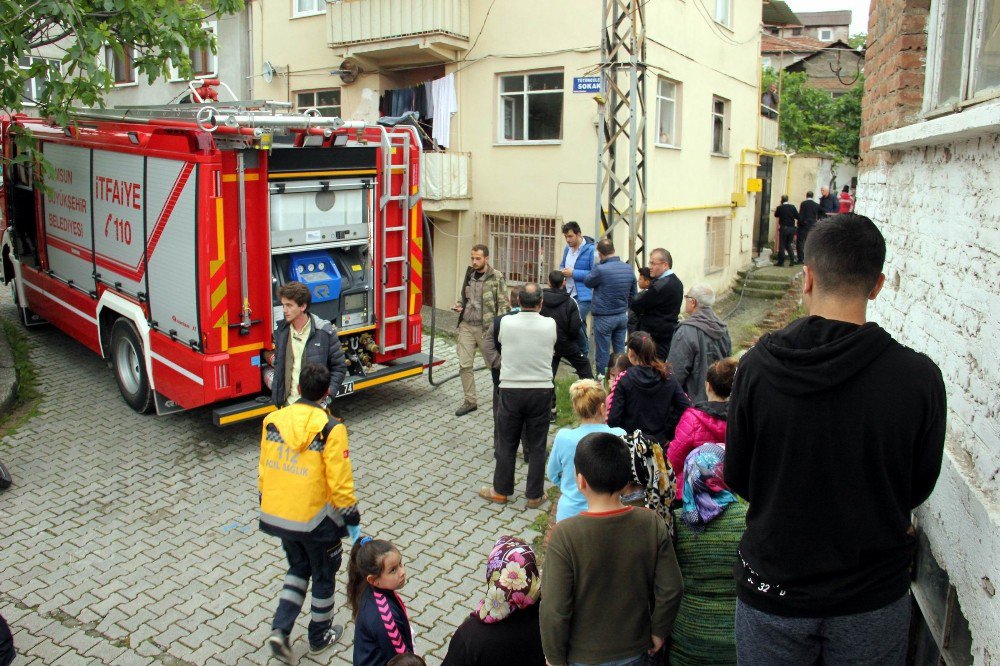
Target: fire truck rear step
<point>403,368</point>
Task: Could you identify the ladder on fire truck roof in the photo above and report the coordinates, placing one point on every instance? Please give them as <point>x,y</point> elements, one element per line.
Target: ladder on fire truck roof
<point>265,116</point>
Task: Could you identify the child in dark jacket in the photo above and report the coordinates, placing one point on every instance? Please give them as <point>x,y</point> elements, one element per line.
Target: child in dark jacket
<point>381,626</point>
<point>647,397</point>
<point>705,422</point>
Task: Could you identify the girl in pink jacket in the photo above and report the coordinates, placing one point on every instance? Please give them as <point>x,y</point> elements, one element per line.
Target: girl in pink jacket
<point>705,422</point>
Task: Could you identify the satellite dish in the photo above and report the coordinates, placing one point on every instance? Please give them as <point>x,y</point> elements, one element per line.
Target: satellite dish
<point>349,71</point>
<point>267,73</point>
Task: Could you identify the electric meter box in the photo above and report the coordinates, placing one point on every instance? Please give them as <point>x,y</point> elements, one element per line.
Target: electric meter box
<point>318,272</point>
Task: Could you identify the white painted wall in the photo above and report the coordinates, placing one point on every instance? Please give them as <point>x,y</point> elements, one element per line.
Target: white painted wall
<point>936,206</point>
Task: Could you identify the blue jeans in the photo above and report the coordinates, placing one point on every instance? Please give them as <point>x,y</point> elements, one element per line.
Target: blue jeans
<point>630,661</point>
<point>583,341</point>
<point>609,331</point>
<point>308,560</point>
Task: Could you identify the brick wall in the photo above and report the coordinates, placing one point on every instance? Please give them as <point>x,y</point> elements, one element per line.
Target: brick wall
<point>935,204</point>
<point>894,66</point>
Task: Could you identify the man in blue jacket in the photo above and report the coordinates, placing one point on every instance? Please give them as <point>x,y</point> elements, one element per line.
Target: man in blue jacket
<point>577,260</point>
<point>613,282</point>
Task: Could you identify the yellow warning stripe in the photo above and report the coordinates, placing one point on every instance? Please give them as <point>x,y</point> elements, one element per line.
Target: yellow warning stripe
<point>248,177</point>
<point>243,416</point>
<point>245,348</point>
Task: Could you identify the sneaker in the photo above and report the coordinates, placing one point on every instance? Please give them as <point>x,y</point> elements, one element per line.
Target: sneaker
<point>331,636</point>
<point>535,503</point>
<point>465,409</point>
<point>280,647</point>
<point>552,416</point>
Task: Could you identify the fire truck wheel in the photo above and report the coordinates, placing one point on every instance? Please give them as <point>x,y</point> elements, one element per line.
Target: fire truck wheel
<point>130,367</point>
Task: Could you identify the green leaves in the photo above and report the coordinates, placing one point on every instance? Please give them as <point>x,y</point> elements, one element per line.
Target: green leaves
<point>811,121</point>
<point>153,34</point>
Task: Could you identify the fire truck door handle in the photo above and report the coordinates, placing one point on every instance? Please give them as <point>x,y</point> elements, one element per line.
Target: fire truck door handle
<point>385,274</point>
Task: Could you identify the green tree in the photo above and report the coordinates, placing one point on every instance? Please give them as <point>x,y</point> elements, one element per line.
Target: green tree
<point>811,121</point>
<point>857,40</point>
<point>159,32</point>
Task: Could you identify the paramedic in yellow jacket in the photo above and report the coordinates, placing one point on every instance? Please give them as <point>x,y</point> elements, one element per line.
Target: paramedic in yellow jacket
<point>307,500</point>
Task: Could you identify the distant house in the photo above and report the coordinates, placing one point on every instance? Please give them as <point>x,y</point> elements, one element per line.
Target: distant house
<point>821,26</point>
<point>833,67</point>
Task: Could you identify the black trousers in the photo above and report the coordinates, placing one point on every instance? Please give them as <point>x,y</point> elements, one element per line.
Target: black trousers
<point>786,241</point>
<point>800,241</point>
<point>576,358</point>
<point>522,411</point>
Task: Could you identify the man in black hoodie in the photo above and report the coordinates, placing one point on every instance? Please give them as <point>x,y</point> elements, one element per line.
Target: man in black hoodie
<point>557,304</point>
<point>836,433</point>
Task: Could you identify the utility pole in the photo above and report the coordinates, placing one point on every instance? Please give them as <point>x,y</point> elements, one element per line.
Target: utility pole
<point>621,143</point>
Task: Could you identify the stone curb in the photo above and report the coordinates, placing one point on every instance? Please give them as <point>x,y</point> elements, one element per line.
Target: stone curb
<point>8,376</point>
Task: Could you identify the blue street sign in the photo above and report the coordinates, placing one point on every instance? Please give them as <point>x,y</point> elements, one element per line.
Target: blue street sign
<point>586,84</point>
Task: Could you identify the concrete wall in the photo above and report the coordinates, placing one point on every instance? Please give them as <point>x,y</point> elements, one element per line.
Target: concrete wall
<point>558,179</point>
<point>931,191</point>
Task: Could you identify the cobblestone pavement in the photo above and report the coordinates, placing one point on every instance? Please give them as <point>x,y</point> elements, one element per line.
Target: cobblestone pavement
<point>132,539</point>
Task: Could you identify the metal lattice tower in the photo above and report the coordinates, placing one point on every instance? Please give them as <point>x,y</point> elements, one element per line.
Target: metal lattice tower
<point>621,143</point>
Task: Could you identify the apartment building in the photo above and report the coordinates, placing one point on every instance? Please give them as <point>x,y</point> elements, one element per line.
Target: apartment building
<point>930,154</point>
<point>828,26</point>
<point>519,156</point>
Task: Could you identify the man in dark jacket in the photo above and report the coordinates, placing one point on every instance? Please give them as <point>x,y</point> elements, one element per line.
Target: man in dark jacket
<point>836,433</point>
<point>613,282</point>
<point>787,216</point>
<point>300,339</point>
<point>827,202</point>
<point>809,213</point>
<point>558,305</point>
<point>659,307</point>
<point>700,340</point>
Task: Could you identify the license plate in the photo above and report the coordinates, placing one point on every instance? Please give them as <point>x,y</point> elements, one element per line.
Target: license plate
<point>346,389</point>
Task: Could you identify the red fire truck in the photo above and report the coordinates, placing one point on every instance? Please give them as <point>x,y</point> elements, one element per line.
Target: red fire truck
<point>160,236</point>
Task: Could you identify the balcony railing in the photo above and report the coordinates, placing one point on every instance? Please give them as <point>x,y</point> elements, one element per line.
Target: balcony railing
<point>769,133</point>
<point>410,31</point>
<point>444,181</point>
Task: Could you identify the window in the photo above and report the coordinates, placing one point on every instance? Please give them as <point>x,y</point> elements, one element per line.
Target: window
<point>963,61</point>
<point>720,126</point>
<point>522,247</point>
<point>309,7</point>
<point>531,107</point>
<point>35,86</point>
<point>796,32</point>
<point>825,35</point>
<point>204,63</point>
<point>716,243</point>
<point>724,12</point>
<point>120,65</point>
<point>327,101</point>
<point>668,113</point>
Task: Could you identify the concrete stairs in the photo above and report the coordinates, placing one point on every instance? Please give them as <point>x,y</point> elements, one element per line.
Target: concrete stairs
<point>770,282</point>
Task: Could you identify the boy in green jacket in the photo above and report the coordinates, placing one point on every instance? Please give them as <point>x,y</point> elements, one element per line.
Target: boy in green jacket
<point>612,584</point>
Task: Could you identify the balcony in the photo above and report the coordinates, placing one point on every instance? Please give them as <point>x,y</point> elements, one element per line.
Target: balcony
<point>444,181</point>
<point>399,32</point>
<point>769,133</point>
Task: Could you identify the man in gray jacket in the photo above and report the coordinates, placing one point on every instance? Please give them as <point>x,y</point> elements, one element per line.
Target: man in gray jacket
<point>699,341</point>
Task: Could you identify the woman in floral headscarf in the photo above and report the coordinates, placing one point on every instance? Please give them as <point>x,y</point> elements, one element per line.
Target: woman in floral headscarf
<point>503,629</point>
<point>708,533</point>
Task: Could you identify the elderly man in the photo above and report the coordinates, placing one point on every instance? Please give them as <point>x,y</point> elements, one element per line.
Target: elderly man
<point>827,202</point>
<point>659,306</point>
<point>527,342</point>
<point>701,340</point>
<point>613,283</point>
<point>769,102</point>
